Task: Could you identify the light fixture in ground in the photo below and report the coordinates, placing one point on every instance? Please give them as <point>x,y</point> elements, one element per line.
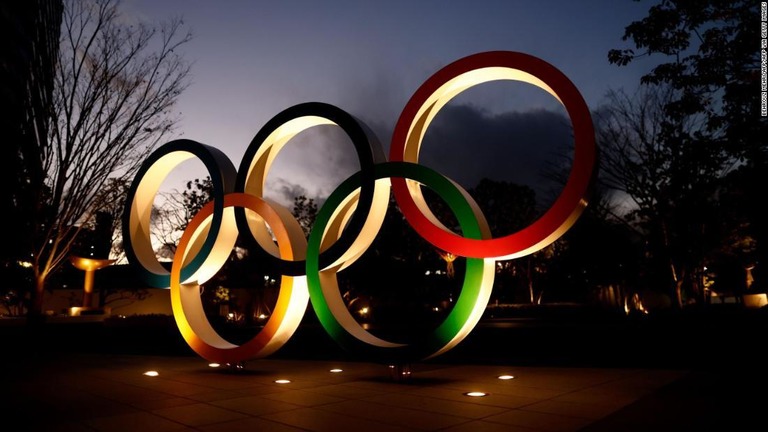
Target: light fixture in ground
<point>282,381</point>
<point>476,394</point>
<point>213,365</point>
<point>506,377</point>
<point>151,373</point>
<point>336,370</point>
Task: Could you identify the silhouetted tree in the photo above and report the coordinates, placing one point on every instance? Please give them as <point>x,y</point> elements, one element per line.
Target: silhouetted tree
<point>305,211</point>
<point>710,59</point>
<point>115,83</point>
<point>198,193</point>
<point>669,175</point>
<point>688,134</point>
<point>508,208</point>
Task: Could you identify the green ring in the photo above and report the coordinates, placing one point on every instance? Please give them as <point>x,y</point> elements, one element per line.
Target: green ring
<point>426,345</point>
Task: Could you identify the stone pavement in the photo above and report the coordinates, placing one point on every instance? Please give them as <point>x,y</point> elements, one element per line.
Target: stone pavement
<point>110,392</point>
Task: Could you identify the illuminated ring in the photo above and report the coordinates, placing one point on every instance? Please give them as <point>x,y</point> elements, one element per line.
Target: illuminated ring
<point>187,304</point>
<point>141,197</point>
<point>439,90</point>
<point>326,298</point>
<point>261,153</point>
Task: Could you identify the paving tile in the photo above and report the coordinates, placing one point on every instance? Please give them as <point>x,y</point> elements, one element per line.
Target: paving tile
<point>540,421</point>
<point>313,419</point>
<point>175,388</point>
<point>405,417</point>
<point>263,389</point>
<point>597,396</point>
<point>53,424</point>
<point>442,406</point>
<point>344,391</point>
<point>303,398</point>
<point>214,395</point>
<point>255,405</point>
<point>127,393</point>
<point>198,414</point>
<point>484,426</point>
<point>250,425</point>
<point>295,383</point>
<point>109,393</point>
<point>139,421</point>
<point>167,402</point>
<point>653,378</point>
<point>78,405</point>
<point>458,395</point>
<point>512,388</point>
<point>223,380</point>
<point>559,382</point>
<point>592,411</point>
<point>639,384</point>
<point>384,385</point>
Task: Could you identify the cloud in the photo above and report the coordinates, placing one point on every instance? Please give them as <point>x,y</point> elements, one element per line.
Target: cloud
<point>312,164</point>
<point>467,144</point>
<point>464,143</point>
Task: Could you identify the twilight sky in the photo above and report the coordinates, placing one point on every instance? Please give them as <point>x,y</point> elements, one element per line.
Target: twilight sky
<point>253,59</point>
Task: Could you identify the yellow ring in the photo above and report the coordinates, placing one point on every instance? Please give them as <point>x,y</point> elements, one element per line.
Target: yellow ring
<point>185,297</point>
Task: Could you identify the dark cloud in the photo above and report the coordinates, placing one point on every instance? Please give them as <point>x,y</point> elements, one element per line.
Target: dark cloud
<point>464,143</point>
<point>467,144</point>
<point>283,190</point>
<point>312,164</point>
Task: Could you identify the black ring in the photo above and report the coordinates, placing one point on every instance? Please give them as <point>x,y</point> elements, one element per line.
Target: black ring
<point>369,153</point>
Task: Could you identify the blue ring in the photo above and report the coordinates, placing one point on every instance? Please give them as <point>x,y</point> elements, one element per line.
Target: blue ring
<point>222,173</point>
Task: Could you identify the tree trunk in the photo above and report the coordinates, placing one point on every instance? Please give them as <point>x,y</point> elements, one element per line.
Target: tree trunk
<point>697,286</point>
<point>678,279</point>
<point>35,312</point>
<point>530,281</point>
<point>679,293</point>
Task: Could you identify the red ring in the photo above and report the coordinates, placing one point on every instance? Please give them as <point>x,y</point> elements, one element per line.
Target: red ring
<point>572,199</point>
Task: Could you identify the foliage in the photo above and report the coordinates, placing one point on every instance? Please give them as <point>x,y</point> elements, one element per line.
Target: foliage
<point>221,295</point>
<point>198,193</point>
<point>508,207</point>
<point>681,146</point>
<point>11,302</point>
<point>713,65</point>
<point>305,212</point>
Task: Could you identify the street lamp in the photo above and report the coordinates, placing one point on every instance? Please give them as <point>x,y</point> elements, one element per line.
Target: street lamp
<point>89,265</point>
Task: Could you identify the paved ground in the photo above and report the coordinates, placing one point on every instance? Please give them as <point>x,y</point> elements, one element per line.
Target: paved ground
<point>100,392</point>
<point>696,375</point>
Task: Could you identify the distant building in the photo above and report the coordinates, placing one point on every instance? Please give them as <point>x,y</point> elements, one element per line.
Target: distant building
<point>29,45</point>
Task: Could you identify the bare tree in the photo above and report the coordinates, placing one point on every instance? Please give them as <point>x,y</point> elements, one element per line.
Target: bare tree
<point>115,85</point>
<point>706,54</point>
<point>169,219</point>
<point>670,171</point>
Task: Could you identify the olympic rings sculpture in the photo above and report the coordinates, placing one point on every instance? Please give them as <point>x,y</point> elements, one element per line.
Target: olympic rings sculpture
<point>349,220</point>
